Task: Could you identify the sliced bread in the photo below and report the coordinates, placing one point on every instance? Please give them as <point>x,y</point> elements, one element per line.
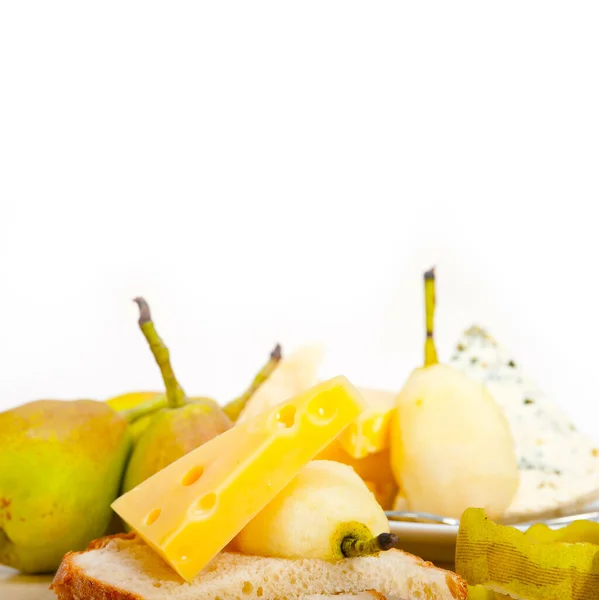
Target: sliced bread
<point>123,567</point>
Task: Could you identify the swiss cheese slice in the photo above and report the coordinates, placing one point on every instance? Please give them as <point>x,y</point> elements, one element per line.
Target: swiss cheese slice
<point>297,373</point>
<point>189,511</point>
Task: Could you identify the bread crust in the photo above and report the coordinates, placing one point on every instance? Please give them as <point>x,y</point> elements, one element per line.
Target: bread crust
<point>72,583</point>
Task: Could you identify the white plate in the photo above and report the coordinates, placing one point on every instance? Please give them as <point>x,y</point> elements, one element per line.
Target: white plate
<point>435,542</point>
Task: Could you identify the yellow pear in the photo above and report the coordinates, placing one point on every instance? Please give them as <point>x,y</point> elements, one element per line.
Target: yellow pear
<point>451,445</point>
<point>133,400</point>
<point>326,512</point>
<point>61,464</point>
<point>374,469</point>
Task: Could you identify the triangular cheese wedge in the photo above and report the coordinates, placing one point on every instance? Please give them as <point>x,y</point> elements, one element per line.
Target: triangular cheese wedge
<point>559,466</point>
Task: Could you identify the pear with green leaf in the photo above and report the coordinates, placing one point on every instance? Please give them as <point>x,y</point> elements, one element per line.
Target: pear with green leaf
<point>183,423</point>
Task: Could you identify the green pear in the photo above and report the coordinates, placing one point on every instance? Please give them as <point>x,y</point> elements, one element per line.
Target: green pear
<point>172,433</point>
<point>61,466</point>
<point>184,423</point>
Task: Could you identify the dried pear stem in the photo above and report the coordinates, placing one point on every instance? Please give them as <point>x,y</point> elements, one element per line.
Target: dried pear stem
<point>174,393</point>
<point>430,352</point>
<point>233,409</point>
<point>352,547</point>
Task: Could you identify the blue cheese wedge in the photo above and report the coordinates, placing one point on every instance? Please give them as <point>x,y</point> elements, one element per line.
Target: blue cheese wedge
<point>559,466</point>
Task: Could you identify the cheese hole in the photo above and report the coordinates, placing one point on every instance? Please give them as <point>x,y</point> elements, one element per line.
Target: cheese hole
<point>192,476</point>
<point>286,416</point>
<point>153,516</point>
<point>206,503</point>
<point>322,411</point>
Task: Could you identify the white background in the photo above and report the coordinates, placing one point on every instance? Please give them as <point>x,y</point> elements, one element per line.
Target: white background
<point>285,172</point>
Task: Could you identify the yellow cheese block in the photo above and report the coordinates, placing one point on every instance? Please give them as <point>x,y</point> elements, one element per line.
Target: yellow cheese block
<point>190,510</point>
<point>369,433</point>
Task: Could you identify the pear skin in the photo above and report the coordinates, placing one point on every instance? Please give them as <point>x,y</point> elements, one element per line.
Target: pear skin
<point>61,466</point>
<point>133,400</point>
<point>171,434</point>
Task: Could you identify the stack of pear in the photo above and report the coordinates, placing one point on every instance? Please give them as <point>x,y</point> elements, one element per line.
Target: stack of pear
<point>183,423</point>
<point>326,512</point>
<point>451,445</point>
<point>61,466</point>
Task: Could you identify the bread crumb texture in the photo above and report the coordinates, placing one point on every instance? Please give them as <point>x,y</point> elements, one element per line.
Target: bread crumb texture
<point>124,568</point>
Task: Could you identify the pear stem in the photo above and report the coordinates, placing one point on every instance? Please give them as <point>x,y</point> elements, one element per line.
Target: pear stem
<point>233,409</point>
<point>145,408</point>
<point>174,393</point>
<point>430,351</point>
<point>352,547</point>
